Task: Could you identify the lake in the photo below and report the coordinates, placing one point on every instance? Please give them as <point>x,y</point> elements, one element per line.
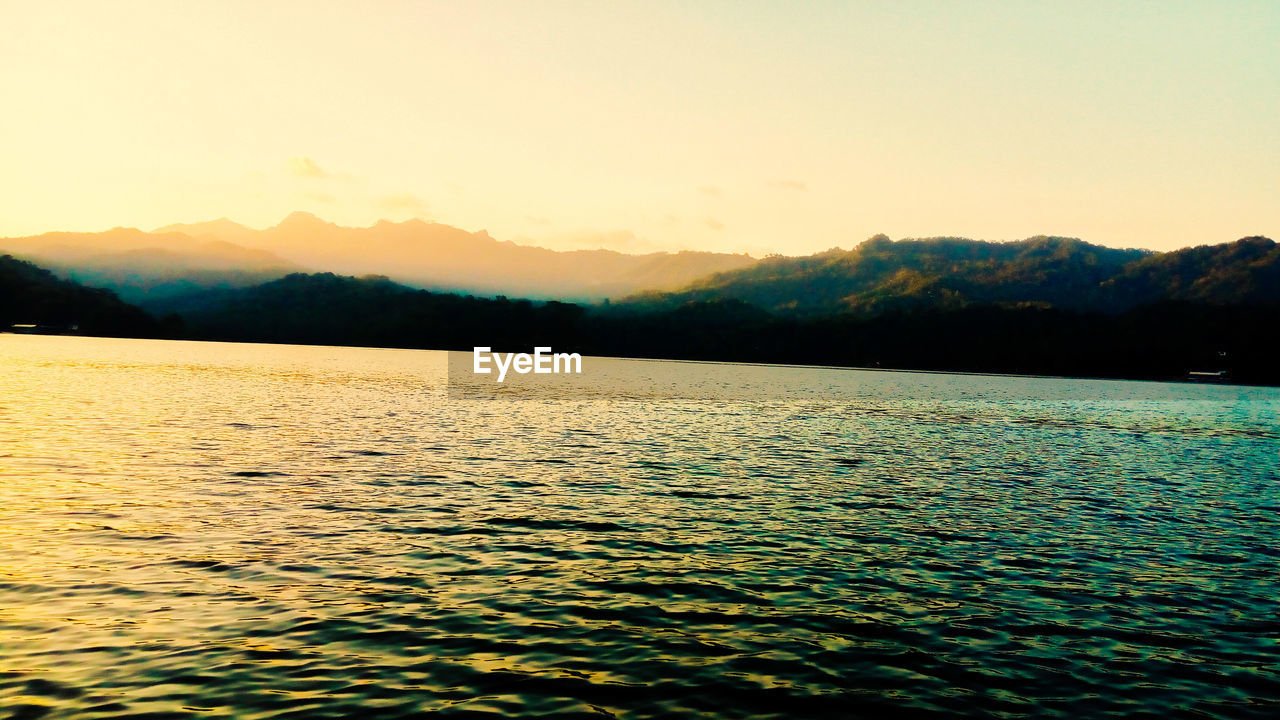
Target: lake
<point>210,530</point>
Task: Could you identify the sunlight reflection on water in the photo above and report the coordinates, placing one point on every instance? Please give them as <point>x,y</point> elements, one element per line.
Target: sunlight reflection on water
<point>258,530</point>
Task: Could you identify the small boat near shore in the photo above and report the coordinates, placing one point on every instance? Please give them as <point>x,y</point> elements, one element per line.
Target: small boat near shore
<point>41,329</point>
<point>1208,376</point>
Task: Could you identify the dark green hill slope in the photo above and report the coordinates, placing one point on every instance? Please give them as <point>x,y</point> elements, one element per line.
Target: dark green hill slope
<point>1161,340</point>
<point>1158,341</point>
<point>1245,272</point>
<point>881,275</point>
<point>30,295</point>
<point>328,309</point>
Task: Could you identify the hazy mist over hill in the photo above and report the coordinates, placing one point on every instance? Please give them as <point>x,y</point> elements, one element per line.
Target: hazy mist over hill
<point>140,265</point>
<point>33,296</point>
<point>221,253</point>
<point>1042,305</point>
<point>159,269</point>
<point>432,255</point>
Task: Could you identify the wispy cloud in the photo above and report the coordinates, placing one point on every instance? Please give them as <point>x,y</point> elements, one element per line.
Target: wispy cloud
<point>304,167</point>
<point>714,224</point>
<point>402,202</point>
<point>710,190</point>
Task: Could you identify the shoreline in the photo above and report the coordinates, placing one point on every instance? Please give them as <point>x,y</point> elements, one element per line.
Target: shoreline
<point>698,361</point>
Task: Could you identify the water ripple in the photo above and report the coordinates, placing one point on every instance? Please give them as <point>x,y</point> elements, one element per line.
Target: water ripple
<point>321,532</point>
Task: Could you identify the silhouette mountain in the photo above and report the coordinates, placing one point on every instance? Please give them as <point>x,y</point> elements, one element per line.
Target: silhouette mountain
<point>1163,340</point>
<point>329,309</point>
<point>147,267</point>
<point>158,268</point>
<point>221,229</point>
<point>435,256</point>
<point>1159,341</point>
<point>33,296</point>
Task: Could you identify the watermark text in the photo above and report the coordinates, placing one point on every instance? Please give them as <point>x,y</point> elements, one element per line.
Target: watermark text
<point>542,362</point>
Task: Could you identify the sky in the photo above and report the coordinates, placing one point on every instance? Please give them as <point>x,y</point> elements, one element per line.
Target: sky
<point>788,127</point>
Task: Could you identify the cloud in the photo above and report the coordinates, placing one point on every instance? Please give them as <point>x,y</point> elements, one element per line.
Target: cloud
<point>710,190</point>
<point>322,198</point>
<point>402,202</point>
<point>304,167</point>
<point>714,224</point>
<point>789,185</point>
<point>538,219</point>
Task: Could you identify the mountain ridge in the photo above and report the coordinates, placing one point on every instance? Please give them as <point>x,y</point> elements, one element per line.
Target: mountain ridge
<point>34,297</point>
<point>876,276</point>
<point>426,255</point>
<point>1160,341</point>
<point>882,275</point>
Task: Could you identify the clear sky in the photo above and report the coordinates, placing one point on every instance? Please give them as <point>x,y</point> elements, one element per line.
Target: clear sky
<point>759,126</point>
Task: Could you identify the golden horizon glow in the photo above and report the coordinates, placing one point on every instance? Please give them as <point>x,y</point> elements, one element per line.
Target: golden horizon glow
<point>649,126</point>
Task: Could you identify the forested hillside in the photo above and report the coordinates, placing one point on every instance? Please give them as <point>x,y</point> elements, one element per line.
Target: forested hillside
<point>30,295</point>
<point>881,275</point>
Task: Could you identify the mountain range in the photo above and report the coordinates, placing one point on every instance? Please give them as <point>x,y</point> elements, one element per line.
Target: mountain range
<point>881,275</point>
<point>1042,305</point>
<point>154,267</point>
<point>145,267</point>
<point>176,267</point>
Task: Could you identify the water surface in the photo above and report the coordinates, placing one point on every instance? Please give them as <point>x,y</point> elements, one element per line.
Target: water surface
<point>217,530</point>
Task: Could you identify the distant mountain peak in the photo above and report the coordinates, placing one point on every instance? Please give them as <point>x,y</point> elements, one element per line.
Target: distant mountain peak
<point>420,252</point>
<point>302,219</point>
<point>221,226</point>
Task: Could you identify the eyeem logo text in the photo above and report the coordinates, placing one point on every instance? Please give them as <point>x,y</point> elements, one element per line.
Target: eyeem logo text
<point>541,362</point>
